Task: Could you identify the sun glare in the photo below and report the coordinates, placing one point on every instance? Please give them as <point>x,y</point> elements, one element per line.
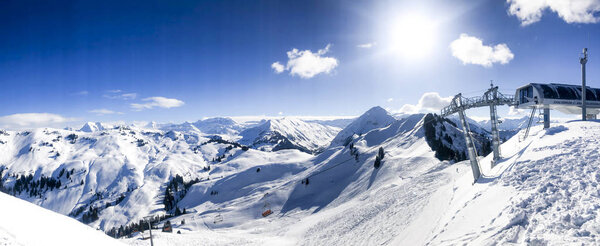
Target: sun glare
<point>412,36</point>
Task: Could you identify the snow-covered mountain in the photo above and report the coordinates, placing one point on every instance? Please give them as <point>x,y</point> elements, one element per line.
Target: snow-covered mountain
<point>507,124</point>
<point>105,178</point>
<point>23,223</point>
<point>339,123</point>
<point>92,127</point>
<point>183,127</point>
<point>219,125</point>
<point>288,133</point>
<point>412,198</point>
<point>446,138</point>
<point>115,176</point>
<point>337,197</point>
<point>374,118</point>
<point>210,126</point>
<point>390,181</point>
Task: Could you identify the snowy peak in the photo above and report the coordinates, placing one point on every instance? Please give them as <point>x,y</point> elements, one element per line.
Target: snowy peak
<point>505,124</point>
<point>374,118</point>
<point>288,133</point>
<point>218,125</point>
<point>183,127</point>
<point>92,127</point>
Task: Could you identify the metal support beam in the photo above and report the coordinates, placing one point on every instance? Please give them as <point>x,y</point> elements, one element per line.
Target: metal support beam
<point>495,133</point>
<point>492,97</point>
<point>529,124</point>
<point>148,218</point>
<point>546,118</point>
<point>583,61</point>
<point>457,102</point>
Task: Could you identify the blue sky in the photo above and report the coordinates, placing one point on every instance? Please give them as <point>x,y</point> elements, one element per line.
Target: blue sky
<point>184,60</point>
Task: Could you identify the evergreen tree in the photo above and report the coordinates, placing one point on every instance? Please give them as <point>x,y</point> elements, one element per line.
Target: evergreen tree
<point>377,163</point>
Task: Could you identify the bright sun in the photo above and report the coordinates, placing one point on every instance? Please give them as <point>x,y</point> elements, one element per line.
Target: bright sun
<point>412,36</point>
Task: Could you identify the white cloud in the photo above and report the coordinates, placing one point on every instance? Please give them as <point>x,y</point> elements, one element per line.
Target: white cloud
<point>280,113</point>
<point>160,102</point>
<point>367,45</point>
<point>571,11</point>
<point>430,101</point>
<point>104,111</point>
<point>33,120</point>
<point>471,50</point>
<point>307,64</point>
<point>390,99</point>
<point>128,96</point>
<point>81,93</point>
<point>277,67</point>
<point>515,111</point>
<point>116,94</point>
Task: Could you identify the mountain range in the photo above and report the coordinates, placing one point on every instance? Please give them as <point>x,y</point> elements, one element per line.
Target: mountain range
<point>223,175</point>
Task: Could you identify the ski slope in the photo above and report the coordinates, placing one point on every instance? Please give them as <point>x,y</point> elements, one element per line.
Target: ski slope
<point>346,198</point>
<point>23,223</point>
<point>104,163</point>
<point>544,191</point>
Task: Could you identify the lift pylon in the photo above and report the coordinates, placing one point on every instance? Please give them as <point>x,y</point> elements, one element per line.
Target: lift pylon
<point>458,103</point>
<point>490,98</point>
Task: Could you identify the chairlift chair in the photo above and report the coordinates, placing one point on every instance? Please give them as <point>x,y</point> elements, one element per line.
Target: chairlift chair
<point>218,217</point>
<point>267,209</point>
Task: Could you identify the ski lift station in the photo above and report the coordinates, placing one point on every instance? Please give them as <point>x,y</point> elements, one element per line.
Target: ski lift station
<point>566,98</point>
<point>560,97</point>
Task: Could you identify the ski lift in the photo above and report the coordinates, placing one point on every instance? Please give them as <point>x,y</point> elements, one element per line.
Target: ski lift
<point>167,227</point>
<point>218,217</point>
<point>267,209</point>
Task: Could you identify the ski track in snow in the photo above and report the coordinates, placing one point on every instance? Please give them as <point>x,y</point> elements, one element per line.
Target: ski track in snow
<point>564,194</point>
<point>545,192</point>
<point>377,221</point>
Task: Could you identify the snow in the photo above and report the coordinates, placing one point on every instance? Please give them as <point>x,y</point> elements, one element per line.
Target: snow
<point>183,127</point>
<point>219,125</point>
<point>543,191</point>
<point>337,202</point>
<point>111,162</point>
<point>92,127</point>
<point>24,223</point>
<point>339,123</point>
<point>312,137</point>
<point>374,118</point>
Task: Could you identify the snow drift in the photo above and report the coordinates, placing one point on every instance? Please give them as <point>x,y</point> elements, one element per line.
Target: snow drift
<point>26,224</point>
